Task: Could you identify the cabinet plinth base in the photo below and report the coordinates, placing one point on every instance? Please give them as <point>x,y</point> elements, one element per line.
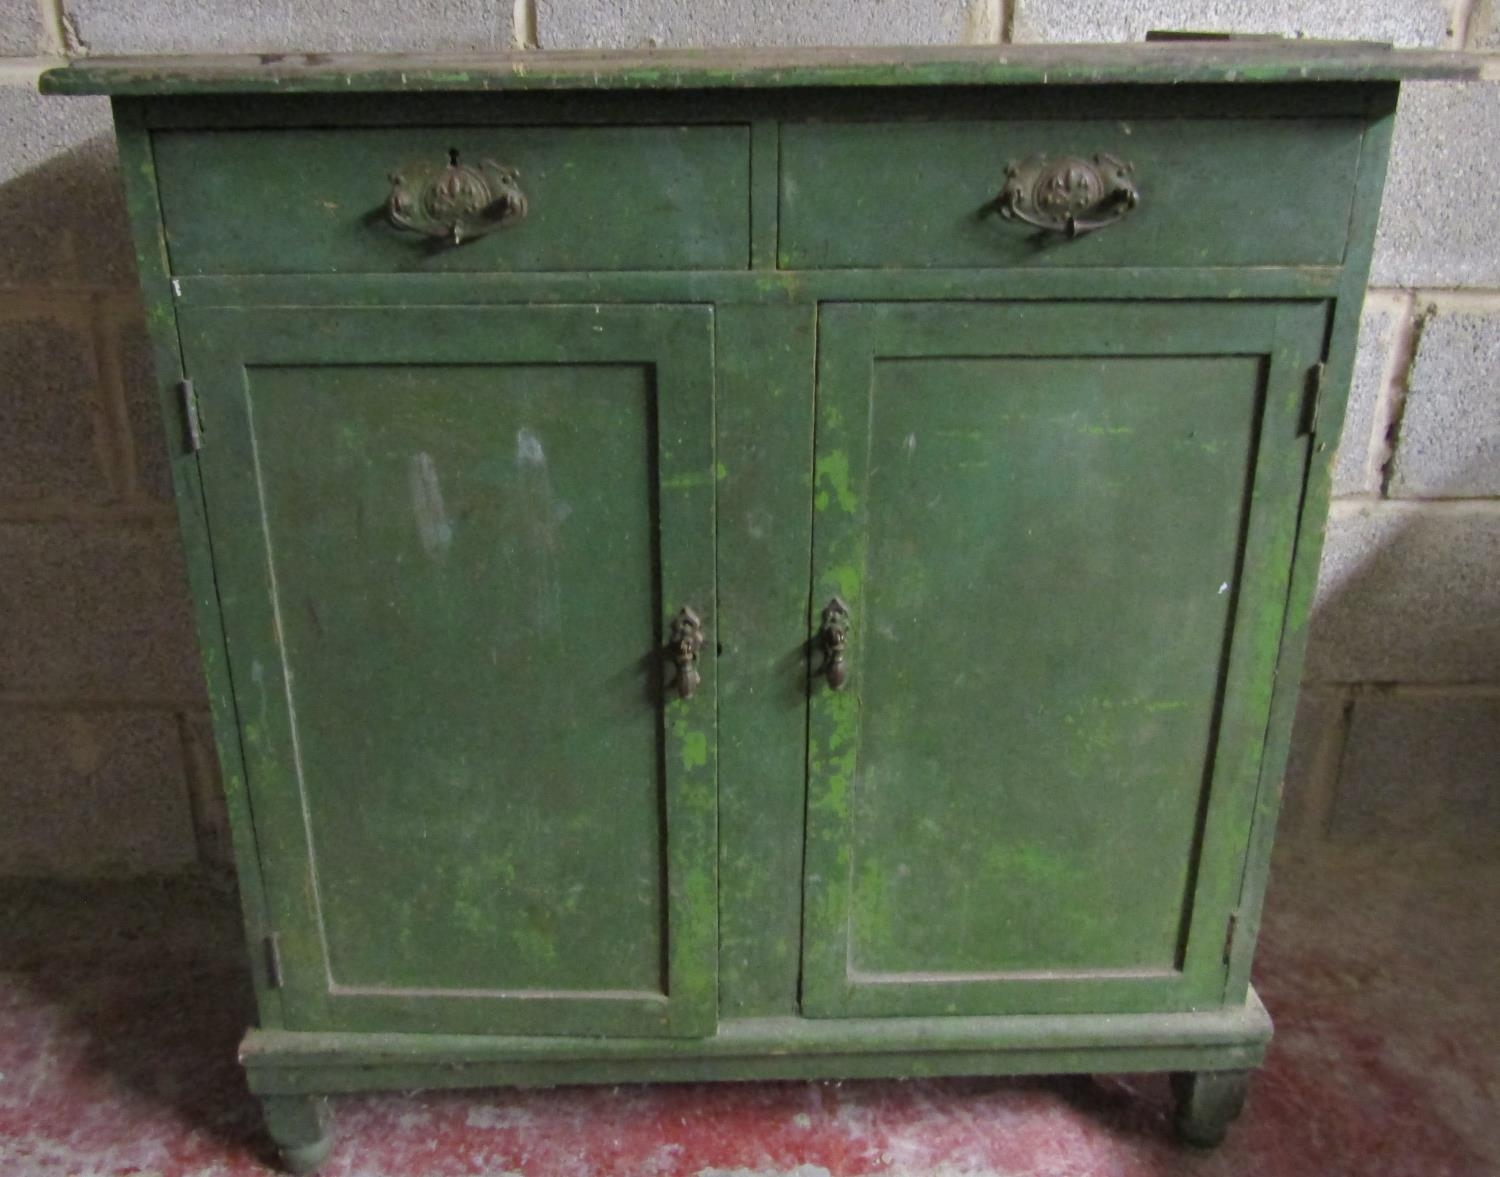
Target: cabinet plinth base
<point>286,1068</point>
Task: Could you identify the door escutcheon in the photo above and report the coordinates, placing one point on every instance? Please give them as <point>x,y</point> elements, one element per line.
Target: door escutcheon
<point>687,640</point>
<point>834,637</point>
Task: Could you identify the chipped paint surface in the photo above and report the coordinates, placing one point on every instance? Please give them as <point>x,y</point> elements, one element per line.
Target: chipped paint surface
<point>434,528</point>
<point>831,477</point>
<point>694,746</point>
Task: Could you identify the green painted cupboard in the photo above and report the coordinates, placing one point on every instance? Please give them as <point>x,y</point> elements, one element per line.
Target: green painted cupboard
<point>753,565</point>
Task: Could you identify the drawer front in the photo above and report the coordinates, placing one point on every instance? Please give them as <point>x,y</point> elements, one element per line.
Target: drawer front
<point>596,198</point>
<point>1212,192</point>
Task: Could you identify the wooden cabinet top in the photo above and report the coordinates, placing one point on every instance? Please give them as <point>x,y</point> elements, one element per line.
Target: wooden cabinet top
<point>1249,60</point>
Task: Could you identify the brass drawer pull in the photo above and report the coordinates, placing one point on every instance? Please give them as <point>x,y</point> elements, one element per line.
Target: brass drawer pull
<point>458,201</point>
<point>1068,195</point>
<point>834,638</point>
<point>687,640</point>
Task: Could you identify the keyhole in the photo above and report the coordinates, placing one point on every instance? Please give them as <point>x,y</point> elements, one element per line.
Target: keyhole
<point>453,157</point>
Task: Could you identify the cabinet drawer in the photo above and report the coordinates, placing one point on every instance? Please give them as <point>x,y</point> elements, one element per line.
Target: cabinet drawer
<point>596,198</point>
<point>1212,192</point>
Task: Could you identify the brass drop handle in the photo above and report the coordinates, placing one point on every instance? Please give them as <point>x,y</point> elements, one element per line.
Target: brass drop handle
<point>459,201</point>
<point>687,640</point>
<point>834,638</point>
<point>1068,195</point>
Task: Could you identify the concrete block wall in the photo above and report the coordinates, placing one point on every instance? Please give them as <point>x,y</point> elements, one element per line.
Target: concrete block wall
<point>105,760</point>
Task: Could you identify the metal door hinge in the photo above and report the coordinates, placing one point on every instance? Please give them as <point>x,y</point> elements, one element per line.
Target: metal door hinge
<point>192,420</point>
<point>1314,402</point>
<point>273,960</point>
<point>1234,923</point>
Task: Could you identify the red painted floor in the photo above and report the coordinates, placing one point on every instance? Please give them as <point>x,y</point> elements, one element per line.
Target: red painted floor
<point>120,1008</point>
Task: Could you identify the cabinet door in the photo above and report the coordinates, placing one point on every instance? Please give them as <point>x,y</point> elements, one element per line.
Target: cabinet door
<point>1062,533</point>
<point>450,543</point>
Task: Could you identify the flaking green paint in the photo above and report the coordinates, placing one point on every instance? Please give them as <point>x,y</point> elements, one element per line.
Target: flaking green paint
<point>832,478</point>
<point>686,481</point>
<point>694,748</point>
<point>847,580</point>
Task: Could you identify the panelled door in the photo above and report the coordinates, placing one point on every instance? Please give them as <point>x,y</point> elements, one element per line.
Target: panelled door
<point>1058,538</point>
<point>451,546</point>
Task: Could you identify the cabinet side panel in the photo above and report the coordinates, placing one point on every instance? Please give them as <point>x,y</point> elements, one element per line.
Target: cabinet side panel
<point>138,173</point>
<point>765,362</point>
<point>1318,488</point>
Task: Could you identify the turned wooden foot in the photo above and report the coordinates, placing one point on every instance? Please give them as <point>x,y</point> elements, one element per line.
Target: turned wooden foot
<point>1207,1103</point>
<point>302,1127</point>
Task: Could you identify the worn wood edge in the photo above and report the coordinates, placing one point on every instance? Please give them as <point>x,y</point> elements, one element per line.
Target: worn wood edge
<point>1308,551</point>
<point>746,107</point>
<point>1267,543</point>
<point>280,1061</point>
<point>924,1063</point>
<point>765,193</point>
<point>669,69</point>
<point>686,521</point>
<point>138,176</point>
<point>1074,284</point>
<point>764,395</point>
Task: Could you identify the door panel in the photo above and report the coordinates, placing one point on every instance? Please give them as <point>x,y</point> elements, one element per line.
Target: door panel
<point>486,807</point>
<point>1061,531</point>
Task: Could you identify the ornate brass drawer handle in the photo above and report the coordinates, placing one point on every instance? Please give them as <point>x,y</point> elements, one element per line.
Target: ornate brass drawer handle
<point>686,641</point>
<point>458,201</point>
<point>1068,195</point>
